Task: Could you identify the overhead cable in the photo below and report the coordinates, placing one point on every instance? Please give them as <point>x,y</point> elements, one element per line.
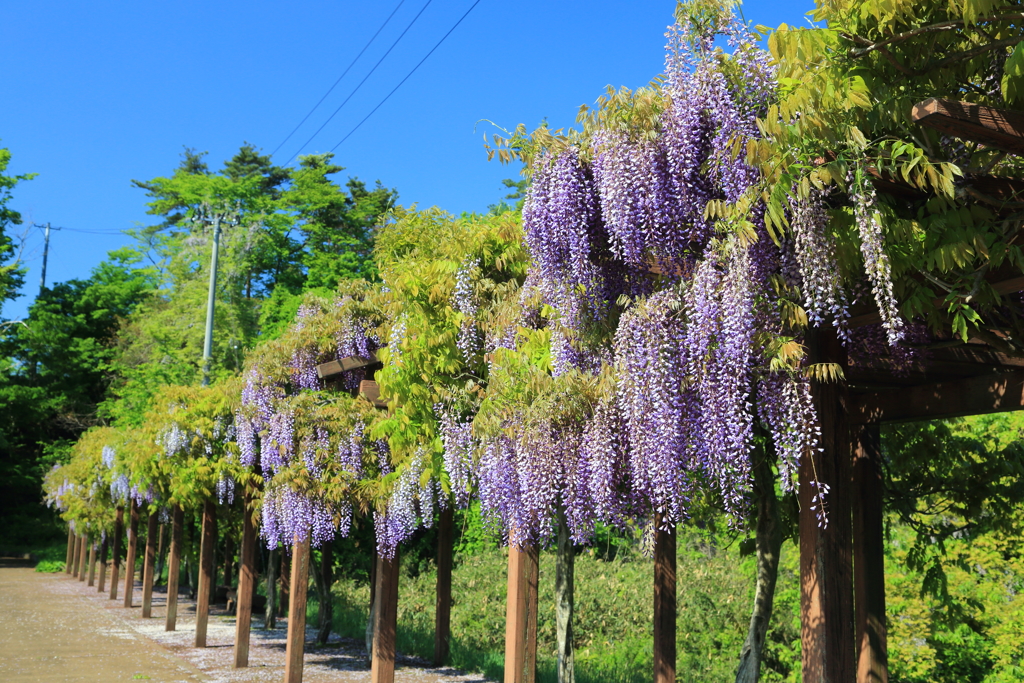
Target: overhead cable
<point>343,73</point>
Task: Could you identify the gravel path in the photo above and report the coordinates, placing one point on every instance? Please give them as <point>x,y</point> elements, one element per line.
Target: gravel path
<point>54,628</point>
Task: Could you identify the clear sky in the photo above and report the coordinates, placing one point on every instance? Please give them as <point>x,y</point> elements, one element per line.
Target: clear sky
<point>95,94</point>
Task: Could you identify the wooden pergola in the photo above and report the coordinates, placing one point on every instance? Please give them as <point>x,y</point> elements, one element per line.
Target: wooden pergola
<point>842,572</point>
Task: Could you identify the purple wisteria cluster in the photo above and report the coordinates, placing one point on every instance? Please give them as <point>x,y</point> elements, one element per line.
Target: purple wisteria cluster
<point>876,261</point>
<point>464,302</point>
<point>693,374</point>
<point>290,516</point>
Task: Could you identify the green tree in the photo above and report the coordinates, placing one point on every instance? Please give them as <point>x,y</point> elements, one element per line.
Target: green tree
<point>12,273</point>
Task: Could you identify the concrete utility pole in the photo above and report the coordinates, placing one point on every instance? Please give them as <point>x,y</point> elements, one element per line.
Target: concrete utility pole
<point>46,252</point>
<point>205,216</point>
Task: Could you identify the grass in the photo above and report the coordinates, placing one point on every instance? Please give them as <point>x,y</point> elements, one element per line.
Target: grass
<point>612,624</point>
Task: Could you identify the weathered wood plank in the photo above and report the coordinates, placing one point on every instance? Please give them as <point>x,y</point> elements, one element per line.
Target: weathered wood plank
<point>999,128</point>
<point>869,556</point>
<point>336,367</point>
<point>370,390</point>
<point>246,585</point>
<point>996,393</point>
<point>174,568</point>
<point>299,585</point>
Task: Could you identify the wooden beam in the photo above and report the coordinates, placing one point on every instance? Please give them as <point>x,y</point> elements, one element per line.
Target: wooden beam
<point>347,364</point>
<point>76,554</point>
<point>92,564</point>
<point>999,128</point>
<point>869,556</point>
<point>246,585</point>
<point>443,607</point>
<point>826,571</point>
<point>206,572</point>
<point>664,602</point>
<point>521,614</point>
<point>71,551</point>
<point>299,584</point>
<point>152,529</point>
<point>83,550</point>
<point>103,566</point>
<point>370,390</point>
<point>385,620</point>
<point>115,564</point>
<point>174,568</point>
<point>133,549</point>
<point>996,393</point>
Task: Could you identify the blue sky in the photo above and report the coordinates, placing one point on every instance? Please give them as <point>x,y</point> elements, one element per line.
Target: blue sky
<point>97,94</point>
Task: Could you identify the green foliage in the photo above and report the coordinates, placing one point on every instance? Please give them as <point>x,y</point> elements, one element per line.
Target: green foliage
<point>12,273</point>
<point>848,88</point>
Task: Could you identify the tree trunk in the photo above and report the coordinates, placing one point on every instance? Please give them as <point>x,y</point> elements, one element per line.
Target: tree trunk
<point>206,575</point>
<point>173,568</point>
<point>149,563</point>
<point>246,587</point>
<point>768,539</point>
<point>270,612</point>
<point>443,609</point>
<point>296,642</point>
<point>133,548</point>
<point>118,531</point>
<point>565,571</point>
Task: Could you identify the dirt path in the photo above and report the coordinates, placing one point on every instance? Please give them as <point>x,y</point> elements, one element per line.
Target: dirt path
<point>54,628</point>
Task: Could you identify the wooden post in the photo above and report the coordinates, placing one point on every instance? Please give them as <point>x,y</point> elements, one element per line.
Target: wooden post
<point>826,572</point>
<point>83,559</point>
<point>521,614</point>
<point>297,612</point>
<point>229,558</point>
<point>76,554</point>
<point>161,555</point>
<point>385,621</point>
<point>206,576</point>
<point>246,586</point>
<point>147,568</point>
<point>92,564</point>
<point>118,532</point>
<point>133,549</point>
<point>174,568</point>
<point>443,611</point>
<point>869,556</point>
<point>664,602</point>
<point>103,565</point>
<point>71,551</point>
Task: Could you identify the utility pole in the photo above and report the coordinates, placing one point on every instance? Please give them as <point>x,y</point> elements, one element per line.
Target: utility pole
<point>205,216</point>
<point>46,252</point>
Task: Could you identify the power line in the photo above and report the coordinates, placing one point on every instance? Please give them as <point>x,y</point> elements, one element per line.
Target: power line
<point>356,89</point>
<point>406,76</point>
<point>343,73</point>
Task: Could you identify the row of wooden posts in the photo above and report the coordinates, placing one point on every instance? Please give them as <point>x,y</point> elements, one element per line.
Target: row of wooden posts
<point>82,561</point>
